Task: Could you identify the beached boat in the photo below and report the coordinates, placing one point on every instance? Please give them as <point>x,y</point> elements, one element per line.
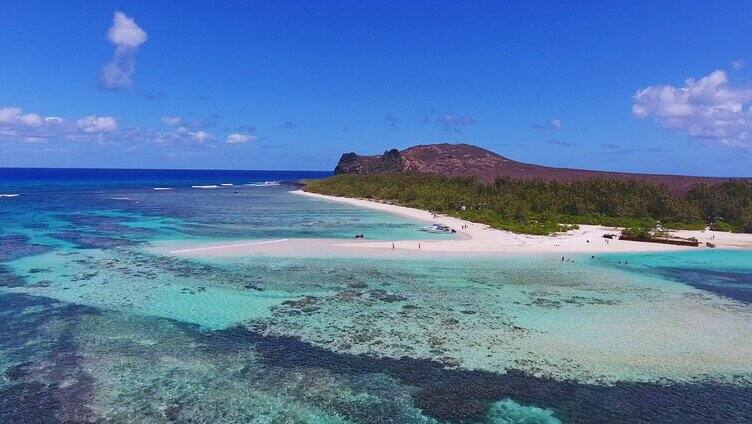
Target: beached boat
<point>436,228</point>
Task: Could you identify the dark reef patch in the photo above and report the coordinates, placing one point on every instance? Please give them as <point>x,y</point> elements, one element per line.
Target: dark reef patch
<point>105,224</point>
<point>46,384</point>
<point>14,247</point>
<point>84,240</point>
<point>733,284</point>
<point>9,279</point>
<point>465,396</point>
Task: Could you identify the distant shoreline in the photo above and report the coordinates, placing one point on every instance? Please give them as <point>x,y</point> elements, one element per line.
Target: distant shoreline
<point>482,238</point>
<point>472,239</point>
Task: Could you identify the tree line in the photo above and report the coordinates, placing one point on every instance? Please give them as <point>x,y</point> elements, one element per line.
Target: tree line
<point>545,207</point>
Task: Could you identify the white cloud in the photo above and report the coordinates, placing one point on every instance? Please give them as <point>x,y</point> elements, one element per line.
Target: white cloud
<point>32,120</point>
<point>33,128</point>
<point>13,116</point>
<point>236,138</point>
<point>450,120</point>
<point>178,135</point>
<point>172,120</point>
<point>118,73</point>
<point>553,124</point>
<point>16,125</point>
<point>127,36</point>
<point>9,114</point>
<point>738,64</point>
<point>183,130</point>
<point>125,33</point>
<point>200,136</point>
<point>97,124</point>
<point>708,108</point>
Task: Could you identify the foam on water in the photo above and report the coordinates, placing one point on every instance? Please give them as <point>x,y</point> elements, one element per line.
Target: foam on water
<point>263,184</point>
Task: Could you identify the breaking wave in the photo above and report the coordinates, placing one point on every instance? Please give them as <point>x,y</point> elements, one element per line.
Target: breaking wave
<point>263,183</point>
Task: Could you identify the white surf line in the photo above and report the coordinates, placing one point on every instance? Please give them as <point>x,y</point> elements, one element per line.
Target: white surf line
<point>225,246</point>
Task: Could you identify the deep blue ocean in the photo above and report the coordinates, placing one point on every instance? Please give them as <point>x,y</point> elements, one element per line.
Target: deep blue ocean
<point>39,178</point>
<point>102,325</point>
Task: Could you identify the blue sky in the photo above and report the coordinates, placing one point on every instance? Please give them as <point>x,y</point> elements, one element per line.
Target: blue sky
<point>292,85</point>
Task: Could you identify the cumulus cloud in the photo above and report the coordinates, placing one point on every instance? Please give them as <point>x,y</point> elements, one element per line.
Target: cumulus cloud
<point>17,125</point>
<point>188,130</point>
<point>201,136</point>
<point>33,128</point>
<point>708,108</point>
<point>172,120</point>
<point>237,138</point>
<point>124,32</point>
<point>552,124</point>
<point>126,36</point>
<point>13,116</point>
<point>450,121</point>
<point>97,124</point>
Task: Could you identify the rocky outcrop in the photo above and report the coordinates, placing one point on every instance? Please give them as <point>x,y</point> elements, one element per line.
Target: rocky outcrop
<point>351,163</point>
<point>468,160</point>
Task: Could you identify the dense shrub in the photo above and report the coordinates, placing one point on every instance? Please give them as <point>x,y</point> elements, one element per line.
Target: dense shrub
<point>543,207</point>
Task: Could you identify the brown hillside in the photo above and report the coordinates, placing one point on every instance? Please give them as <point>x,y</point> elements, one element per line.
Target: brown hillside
<point>468,160</point>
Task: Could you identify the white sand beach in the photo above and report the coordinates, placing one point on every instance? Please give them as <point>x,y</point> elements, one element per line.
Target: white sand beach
<point>471,239</point>
<point>482,238</point>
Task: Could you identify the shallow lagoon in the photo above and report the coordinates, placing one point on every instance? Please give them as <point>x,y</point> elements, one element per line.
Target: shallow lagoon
<point>100,328</point>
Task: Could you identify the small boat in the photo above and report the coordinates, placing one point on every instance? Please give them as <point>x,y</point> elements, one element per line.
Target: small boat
<point>436,228</point>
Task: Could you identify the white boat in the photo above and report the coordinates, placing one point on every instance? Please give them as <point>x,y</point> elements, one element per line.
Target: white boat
<point>436,228</point>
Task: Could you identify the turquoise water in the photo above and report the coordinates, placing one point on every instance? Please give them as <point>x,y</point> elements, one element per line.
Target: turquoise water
<point>99,327</point>
<point>727,273</point>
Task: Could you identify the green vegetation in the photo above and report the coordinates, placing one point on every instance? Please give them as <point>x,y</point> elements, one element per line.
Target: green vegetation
<point>544,207</point>
<point>638,233</point>
<point>726,207</point>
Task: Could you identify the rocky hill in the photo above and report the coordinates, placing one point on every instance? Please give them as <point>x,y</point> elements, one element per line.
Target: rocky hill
<point>468,160</point>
